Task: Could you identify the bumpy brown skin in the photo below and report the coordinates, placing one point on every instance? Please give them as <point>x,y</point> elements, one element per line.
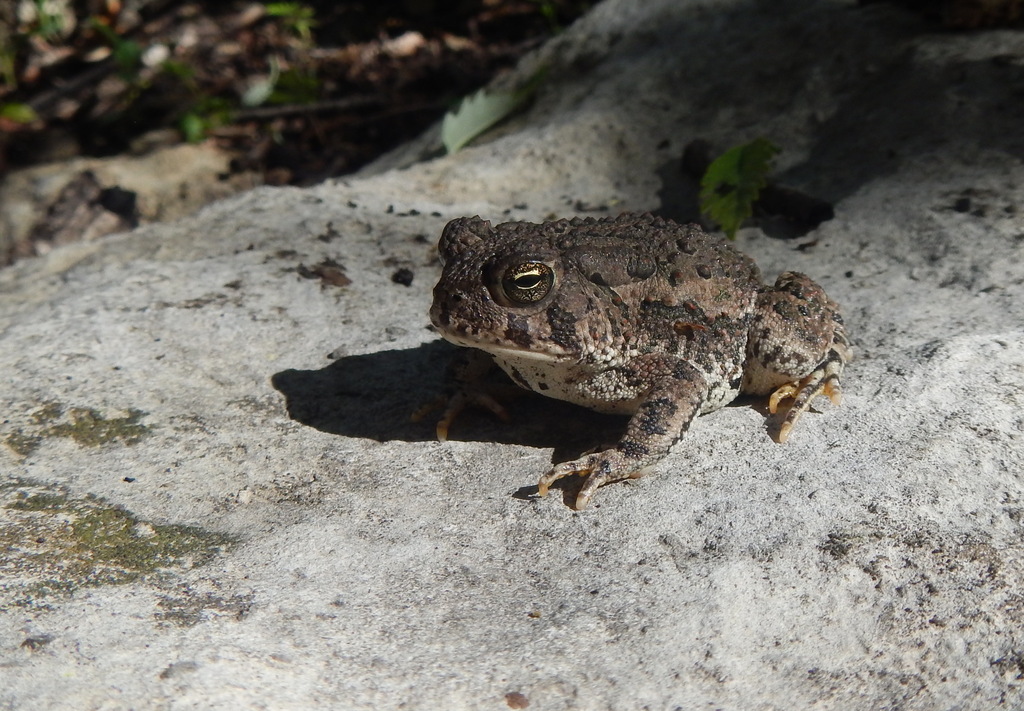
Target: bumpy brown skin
<point>635,315</point>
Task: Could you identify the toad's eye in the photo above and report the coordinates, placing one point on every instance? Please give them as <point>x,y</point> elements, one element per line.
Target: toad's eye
<point>527,283</point>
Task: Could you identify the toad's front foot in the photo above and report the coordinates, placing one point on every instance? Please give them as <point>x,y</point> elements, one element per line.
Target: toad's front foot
<point>460,401</point>
<point>599,468</point>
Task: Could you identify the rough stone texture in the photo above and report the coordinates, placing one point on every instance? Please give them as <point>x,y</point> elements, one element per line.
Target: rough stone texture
<point>168,183</point>
<point>309,546</point>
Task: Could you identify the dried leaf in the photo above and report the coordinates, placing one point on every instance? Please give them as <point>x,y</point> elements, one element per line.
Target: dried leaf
<point>478,112</point>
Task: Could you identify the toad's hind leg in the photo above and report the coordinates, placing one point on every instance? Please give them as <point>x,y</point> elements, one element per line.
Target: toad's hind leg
<point>824,380</point>
<point>797,347</point>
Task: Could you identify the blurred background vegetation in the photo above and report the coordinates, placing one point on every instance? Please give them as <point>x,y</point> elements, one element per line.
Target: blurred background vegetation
<point>297,91</point>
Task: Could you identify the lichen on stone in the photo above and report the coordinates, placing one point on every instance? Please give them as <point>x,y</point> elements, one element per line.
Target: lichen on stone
<point>21,443</point>
<point>53,543</point>
<point>49,412</point>
<point>88,426</point>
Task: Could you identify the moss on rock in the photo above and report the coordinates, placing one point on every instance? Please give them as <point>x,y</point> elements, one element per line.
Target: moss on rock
<point>52,543</point>
<point>87,426</point>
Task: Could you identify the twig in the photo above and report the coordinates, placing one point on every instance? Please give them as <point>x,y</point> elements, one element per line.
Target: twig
<point>43,103</point>
<point>320,107</point>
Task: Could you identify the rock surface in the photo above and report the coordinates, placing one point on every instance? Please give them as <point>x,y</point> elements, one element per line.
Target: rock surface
<point>165,184</point>
<point>214,497</point>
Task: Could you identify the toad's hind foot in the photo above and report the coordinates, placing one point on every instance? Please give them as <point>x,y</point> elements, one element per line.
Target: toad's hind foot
<point>824,380</point>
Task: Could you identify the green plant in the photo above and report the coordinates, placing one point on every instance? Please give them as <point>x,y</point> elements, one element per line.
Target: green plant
<point>127,54</point>
<point>205,113</point>
<point>295,86</point>
<point>8,60</point>
<point>208,114</point>
<point>299,18</point>
<point>44,19</point>
<point>733,181</point>
<point>18,113</point>
<point>50,22</point>
<point>549,13</point>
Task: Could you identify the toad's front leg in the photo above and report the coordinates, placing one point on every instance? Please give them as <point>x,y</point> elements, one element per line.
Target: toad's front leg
<point>468,385</point>
<point>661,418</point>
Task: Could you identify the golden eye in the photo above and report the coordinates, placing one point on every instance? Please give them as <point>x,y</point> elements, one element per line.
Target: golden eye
<point>527,283</point>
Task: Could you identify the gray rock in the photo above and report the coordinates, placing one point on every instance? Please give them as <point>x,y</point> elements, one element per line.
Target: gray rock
<point>214,496</point>
<point>166,184</point>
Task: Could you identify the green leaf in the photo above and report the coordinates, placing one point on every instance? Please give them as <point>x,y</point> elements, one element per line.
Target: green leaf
<point>193,127</point>
<point>208,114</point>
<point>128,56</point>
<point>477,113</point>
<point>126,53</point>
<point>18,113</point>
<point>732,182</point>
<point>179,69</point>
<point>295,87</point>
<point>301,19</point>
<point>282,9</point>
<point>50,21</point>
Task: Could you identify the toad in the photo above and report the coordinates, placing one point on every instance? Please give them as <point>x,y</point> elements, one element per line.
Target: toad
<point>633,315</point>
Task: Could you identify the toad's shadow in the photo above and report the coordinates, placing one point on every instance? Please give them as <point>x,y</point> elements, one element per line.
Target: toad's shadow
<point>374,396</point>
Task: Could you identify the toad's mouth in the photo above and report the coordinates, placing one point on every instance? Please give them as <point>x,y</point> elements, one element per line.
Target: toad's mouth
<point>528,352</point>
